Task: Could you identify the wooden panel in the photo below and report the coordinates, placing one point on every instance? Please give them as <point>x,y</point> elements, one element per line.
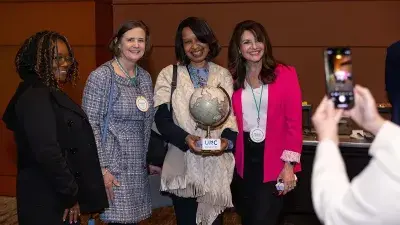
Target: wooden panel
<point>102,55</point>
<point>86,57</point>
<point>10,79</point>
<point>104,23</point>
<point>308,62</point>
<point>79,28</point>
<point>130,2</point>
<point>8,159</point>
<point>8,184</point>
<point>160,57</point>
<point>289,24</point>
<point>41,1</point>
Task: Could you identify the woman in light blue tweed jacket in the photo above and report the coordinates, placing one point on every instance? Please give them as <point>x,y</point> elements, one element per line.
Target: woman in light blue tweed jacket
<point>118,99</point>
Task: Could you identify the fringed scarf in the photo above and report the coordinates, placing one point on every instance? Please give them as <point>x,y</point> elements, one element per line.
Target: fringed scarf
<point>185,174</point>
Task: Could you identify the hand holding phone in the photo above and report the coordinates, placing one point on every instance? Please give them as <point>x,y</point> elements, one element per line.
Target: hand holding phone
<point>339,76</point>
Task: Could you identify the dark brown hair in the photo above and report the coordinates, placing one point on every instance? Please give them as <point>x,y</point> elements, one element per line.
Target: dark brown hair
<point>37,54</point>
<point>236,62</point>
<point>127,26</point>
<point>203,33</point>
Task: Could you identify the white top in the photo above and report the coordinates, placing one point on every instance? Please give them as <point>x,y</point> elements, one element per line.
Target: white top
<point>250,109</point>
<point>372,198</point>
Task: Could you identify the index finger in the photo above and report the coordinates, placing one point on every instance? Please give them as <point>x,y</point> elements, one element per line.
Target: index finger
<point>65,214</point>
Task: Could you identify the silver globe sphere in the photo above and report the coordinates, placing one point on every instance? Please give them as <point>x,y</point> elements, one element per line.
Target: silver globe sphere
<point>210,107</point>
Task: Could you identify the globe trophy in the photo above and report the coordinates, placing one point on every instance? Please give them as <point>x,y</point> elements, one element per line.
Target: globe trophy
<point>210,107</point>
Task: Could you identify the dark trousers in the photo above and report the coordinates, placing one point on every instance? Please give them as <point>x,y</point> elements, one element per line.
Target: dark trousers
<point>185,211</point>
<point>256,202</point>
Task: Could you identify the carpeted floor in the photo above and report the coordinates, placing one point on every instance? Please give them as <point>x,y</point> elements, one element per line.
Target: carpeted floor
<point>8,211</point>
<point>164,216</point>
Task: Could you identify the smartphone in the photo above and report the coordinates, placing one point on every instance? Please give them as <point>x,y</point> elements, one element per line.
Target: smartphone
<point>339,76</point>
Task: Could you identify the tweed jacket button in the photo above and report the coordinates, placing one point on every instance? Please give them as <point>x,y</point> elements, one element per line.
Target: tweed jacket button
<point>70,123</point>
<point>77,175</point>
<point>73,150</point>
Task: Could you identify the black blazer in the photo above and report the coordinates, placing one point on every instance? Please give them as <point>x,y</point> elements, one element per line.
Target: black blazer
<point>392,70</point>
<point>58,163</point>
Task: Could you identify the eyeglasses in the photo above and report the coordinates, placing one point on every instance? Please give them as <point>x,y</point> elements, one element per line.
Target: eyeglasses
<point>62,59</point>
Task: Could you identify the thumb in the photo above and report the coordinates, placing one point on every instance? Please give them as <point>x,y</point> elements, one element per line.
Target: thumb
<point>116,183</point>
<point>196,138</point>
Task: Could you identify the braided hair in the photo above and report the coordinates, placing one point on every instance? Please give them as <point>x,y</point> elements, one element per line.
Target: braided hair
<point>37,54</point>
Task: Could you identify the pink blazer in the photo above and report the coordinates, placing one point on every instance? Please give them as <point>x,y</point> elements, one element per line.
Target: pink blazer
<point>283,136</point>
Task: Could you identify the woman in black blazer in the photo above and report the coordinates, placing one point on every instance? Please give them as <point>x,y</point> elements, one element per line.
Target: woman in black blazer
<point>59,175</point>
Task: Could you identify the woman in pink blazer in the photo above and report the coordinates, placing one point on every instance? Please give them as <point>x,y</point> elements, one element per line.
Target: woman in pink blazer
<point>267,106</point>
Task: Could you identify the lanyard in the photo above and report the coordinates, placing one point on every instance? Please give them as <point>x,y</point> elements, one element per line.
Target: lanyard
<point>259,104</point>
<point>131,79</point>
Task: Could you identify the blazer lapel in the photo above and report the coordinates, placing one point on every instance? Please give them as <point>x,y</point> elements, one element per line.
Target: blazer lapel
<point>271,106</point>
<point>65,101</point>
<point>239,110</point>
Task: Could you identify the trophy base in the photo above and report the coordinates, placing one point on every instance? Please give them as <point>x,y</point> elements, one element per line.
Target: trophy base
<point>210,146</point>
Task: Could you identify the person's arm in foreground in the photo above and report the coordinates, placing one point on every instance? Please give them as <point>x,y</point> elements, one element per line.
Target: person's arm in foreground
<point>371,197</point>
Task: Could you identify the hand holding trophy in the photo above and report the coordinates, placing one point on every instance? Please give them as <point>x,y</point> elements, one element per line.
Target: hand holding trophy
<point>210,107</point>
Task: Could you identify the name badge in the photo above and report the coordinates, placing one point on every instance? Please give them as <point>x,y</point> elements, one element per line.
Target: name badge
<point>211,144</point>
<point>142,104</point>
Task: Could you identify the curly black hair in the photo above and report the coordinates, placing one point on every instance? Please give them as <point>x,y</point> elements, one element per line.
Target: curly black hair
<point>36,55</point>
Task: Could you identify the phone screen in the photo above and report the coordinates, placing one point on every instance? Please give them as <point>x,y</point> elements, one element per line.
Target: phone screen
<point>339,76</point>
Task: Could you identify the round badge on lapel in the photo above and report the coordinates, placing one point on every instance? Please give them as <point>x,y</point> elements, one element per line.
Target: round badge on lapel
<point>142,103</point>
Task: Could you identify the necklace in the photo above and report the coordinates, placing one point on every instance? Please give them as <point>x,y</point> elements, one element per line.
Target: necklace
<point>131,79</point>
